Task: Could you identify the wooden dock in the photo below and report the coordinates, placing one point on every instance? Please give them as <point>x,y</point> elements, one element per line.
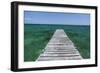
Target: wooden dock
<point>60,47</point>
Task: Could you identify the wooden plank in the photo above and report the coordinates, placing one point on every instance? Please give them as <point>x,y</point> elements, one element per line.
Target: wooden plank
<point>60,47</point>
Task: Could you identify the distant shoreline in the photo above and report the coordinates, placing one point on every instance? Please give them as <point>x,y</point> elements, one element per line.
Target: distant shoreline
<point>57,24</point>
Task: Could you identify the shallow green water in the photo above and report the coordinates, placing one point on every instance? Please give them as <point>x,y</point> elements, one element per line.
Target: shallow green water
<point>36,36</point>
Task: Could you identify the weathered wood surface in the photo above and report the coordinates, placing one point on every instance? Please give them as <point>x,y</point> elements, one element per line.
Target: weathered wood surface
<point>60,47</point>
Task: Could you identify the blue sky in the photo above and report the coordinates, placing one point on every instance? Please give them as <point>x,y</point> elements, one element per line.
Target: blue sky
<point>37,17</point>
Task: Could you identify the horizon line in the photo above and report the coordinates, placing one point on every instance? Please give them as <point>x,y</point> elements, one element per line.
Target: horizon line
<point>55,24</point>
